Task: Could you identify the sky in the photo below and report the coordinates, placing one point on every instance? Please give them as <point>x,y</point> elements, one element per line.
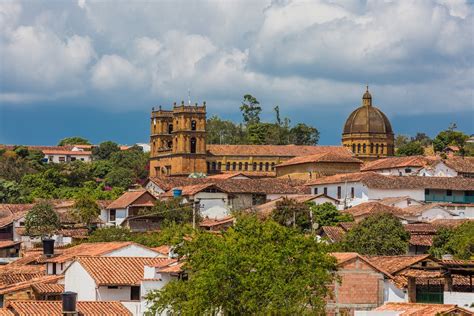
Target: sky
<point>96,68</point>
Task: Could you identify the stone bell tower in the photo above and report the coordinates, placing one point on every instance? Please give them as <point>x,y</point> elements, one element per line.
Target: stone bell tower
<point>178,141</point>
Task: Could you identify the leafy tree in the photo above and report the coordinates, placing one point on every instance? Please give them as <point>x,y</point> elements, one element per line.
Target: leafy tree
<point>173,211</point>
<point>75,140</point>
<point>42,220</point>
<point>100,168</point>
<point>303,134</point>
<point>401,140</point>
<point>424,139</point>
<point>133,159</point>
<point>86,210</point>
<point>77,172</point>
<point>22,151</point>
<point>412,148</point>
<point>250,109</point>
<point>112,233</point>
<point>104,150</point>
<point>220,131</point>
<point>173,234</point>
<point>450,137</point>
<point>120,177</point>
<point>10,192</point>
<point>327,214</point>
<point>378,234</point>
<point>254,268</point>
<point>14,168</point>
<point>288,212</point>
<point>458,241</point>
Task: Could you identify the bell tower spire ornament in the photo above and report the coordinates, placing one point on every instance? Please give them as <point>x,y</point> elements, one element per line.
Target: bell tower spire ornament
<point>367,98</point>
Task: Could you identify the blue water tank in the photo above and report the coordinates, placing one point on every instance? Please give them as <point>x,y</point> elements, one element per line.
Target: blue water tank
<point>177,192</point>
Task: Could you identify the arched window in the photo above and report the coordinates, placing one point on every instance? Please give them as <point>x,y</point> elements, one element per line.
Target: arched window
<point>240,165</point>
<point>376,148</point>
<point>227,166</point>
<point>371,148</point>
<point>170,128</point>
<point>254,166</point>
<point>261,166</point>
<point>214,166</point>
<point>273,166</point>
<point>381,148</point>
<point>193,145</point>
<point>193,125</point>
<point>267,166</point>
<point>219,165</point>
<point>353,148</point>
<point>358,148</point>
<point>170,144</point>
<point>364,148</point>
<point>234,165</point>
<point>246,166</point>
<point>208,166</point>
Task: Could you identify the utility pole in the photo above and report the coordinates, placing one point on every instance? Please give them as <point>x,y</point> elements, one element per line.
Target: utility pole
<point>196,205</point>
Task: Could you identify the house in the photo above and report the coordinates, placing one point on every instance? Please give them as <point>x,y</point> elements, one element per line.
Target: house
<point>55,308</point>
<point>217,224</point>
<point>317,165</point>
<point>128,204</point>
<point>400,201</point>
<point>415,309</point>
<point>124,279</point>
<point>428,212</point>
<point>9,250</point>
<point>408,166</point>
<point>265,210</point>
<point>363,210</point>
<point>360,286</point>
<point>66,155</point>
<point>58,263</point>
<point>355,188</point>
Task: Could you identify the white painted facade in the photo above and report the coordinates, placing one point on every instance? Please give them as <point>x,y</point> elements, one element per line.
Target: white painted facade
<point>77,279</point>
<point>461,299</point>
<point>439,170</point>
<point>391,293</point>
<point>153,188</point>
<point>361,192</point>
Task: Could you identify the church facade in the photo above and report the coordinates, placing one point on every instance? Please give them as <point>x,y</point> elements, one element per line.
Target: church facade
<point>368,132</point>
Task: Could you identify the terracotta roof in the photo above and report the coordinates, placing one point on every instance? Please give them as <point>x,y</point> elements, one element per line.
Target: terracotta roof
<point>127,199</point>
<point>347,225</point>
<point>369,208</point>
<point>342,257</point>
<point>378,181</point>
<point>8,243</point>
<point>265,210</point>
<point>417,210</point>
<point>422,273</point>
<point>226,175</point>
<point>321,158</point>
<point>272,150</point>
<point>421,240</point>
<point>28,283</point>
<point>50,308</point>
<point>5,312</point>
<point>174,268</point>
<point>420,228</point>
<point>11,212</point>
<point>163,249</point>
<point>394,200</point>
<point>394,264</point>
<point>88,249</point>
<point>449,223</point>
<point>66,152</point>
<point>461,164</point>
<point>399,162</point>
<point>417,309</point>
<point>46,288</point>
<point>334,233</point>
<point>191,190</point>
<point>119,270</point>
<point>207,222</point>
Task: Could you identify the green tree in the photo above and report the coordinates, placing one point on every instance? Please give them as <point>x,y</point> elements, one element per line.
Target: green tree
<point>378,234</point>
<point>250,109</point>
<point>303,134</point>
<point>450,137</point>
<point>424,139</point>
<point>173,211</point>
<point>255,268</point>
<point>120,177</point>
<point>401,140</point>
<point>42,220</point>
<point>288,212</point>
<point>220,131</point>
<point>412,148</point>
<point>10,192</point>
<point>326,214</point>
<point>133,159</point>
<point>104,150</point>
<point>86,210</point>
<point>173,234</point>
<point>108,234</point>
<point>75,140</point>
<point>458,241</point>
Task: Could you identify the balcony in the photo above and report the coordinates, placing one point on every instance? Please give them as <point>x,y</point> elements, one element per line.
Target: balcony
<point>448,198</point>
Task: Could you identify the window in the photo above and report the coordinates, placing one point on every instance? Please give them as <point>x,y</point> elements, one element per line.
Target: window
<point>364,148</point>
<point>377,148</point>
<point>449,192</point>
<point>170,128</point>
<point>54,268</point>
<point>62,159</point>
<point>82,159</point>
<point>325,190</point>
<point>315,190</point>
<point>267,166</point>
<point>73,158</point>
<point>193,125</point>
<point>234,165</point>
<point>339,192</point>
<point>240,165</point>
<point>214,166</point>
<point>381,148</point>
<point>113,287</point>
<point>353,148</point>
<point>261,166</point>
<point>170,144</point>
<point>193,145</point>
<point>227,166</point>
<point>371,148</point>
<point>352,193</point>
<point>407,170</point>
<point>135,293</point>
<point>219,165</point>
<point>208,166</point>
<point>273,166</point>
<point>358,148</point>
<point>427,191</point>
<point>112,215</point>
<point>254,166</point>
<point>246,166</point>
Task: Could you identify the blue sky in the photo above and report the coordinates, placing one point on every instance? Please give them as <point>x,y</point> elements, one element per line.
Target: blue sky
<point>95,68</point>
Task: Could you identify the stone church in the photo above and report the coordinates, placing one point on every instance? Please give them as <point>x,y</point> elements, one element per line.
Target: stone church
<point>179,148</point>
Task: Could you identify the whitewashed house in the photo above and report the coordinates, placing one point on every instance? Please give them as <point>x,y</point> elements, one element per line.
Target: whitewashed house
<point>128,204</point>
<point>122,279</point>
<point>64,155</point>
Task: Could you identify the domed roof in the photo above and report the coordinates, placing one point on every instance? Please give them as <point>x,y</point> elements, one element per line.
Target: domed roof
<point>367,119</point>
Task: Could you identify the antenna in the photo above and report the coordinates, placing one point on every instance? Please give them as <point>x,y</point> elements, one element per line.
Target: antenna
<point>189,96</point>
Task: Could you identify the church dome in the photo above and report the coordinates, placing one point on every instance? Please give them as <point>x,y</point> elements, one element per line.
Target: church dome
<point>367,119</point>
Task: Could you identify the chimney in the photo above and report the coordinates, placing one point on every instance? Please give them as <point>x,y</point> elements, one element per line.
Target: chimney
<point>48,247</point>
<point>69,300</point>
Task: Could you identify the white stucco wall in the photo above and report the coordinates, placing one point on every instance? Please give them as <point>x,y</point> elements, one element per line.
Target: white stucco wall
<point>391,293</point>
<point>360,192</point>
<point>377,194</point>
<point>436,213</point>
<point>121,293</point>
<point>439,170</point>
<point>133,251</point>
<point>153,188</point>
<point>76,279</point>
<point>462,299</point>
<point>209,200</point>
<point>56,158</point>
<point>408,171</point>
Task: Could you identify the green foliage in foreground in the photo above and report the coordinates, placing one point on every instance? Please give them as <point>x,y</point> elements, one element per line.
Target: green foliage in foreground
<point>458,241</point>
<point>253,268</point>
<point>378,234</point>
<point>42,220</point>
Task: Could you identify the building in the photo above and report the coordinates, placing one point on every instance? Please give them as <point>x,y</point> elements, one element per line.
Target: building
<point>55,308</point>
<point>178,148</point>
<point>416,309</point>
<point>128,204</point>
<point>368,132</point>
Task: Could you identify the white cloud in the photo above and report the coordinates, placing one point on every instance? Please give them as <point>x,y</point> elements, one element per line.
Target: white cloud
<point>112,72</point>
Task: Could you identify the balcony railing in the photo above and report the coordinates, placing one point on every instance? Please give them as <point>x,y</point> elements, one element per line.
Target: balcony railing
<point>450,198</point>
